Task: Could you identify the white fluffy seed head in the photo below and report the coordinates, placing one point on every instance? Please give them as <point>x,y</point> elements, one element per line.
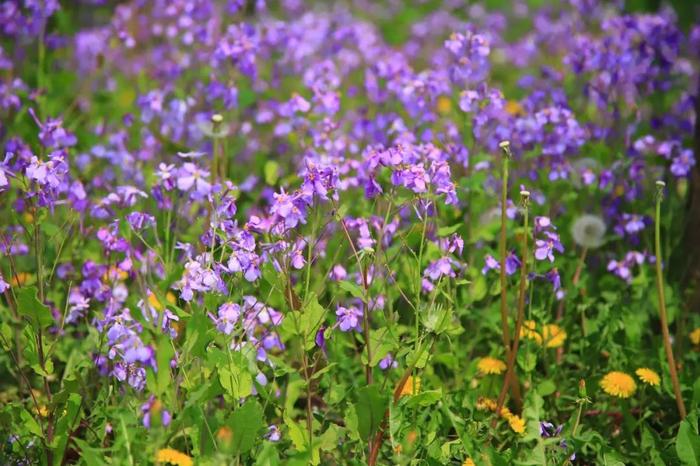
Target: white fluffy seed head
<point>216,118</point>
<point>504,144</point>
<point>589,231</point>
<point>660,184</point>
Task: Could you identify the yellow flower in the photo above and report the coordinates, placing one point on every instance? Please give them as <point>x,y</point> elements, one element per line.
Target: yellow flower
<point>153,301</point>
<point>486,404</point>
<point>648,376</point>
<point>553,335</point>
<point>516,423</point>
<point>528,331</point>
<point>489,365</point>
<point>224,435</point>
<point>514,108</point>
<point>695,336</point>
<point>171,456</point>
<point>444,105</point>
<point>21,279</point>
<point>618,384</point>
<point>170,297</point>
<point>469,462</point>
<point>411,387</point>
<point>114,274</point>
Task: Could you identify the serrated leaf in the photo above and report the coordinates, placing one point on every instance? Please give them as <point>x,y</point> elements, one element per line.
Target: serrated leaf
<point>29,305</point>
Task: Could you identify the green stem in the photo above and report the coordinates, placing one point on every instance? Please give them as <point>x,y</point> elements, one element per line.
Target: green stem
<point>662,302</point>
<point>510,365</point>
<point>502,248</point>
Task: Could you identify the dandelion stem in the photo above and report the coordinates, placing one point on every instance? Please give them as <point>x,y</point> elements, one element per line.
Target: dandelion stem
<point>662,301</point>
<point>502,247</point>
<point>510,363</point>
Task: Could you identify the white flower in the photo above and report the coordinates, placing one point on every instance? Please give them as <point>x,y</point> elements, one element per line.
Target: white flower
<point>588,231</point>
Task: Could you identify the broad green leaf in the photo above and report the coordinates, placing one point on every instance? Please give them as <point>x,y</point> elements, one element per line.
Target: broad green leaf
<point>246,422</point>
<point>236,381</point>
<point>29,305</point>
<point>310,321</point>
<point>688,444</point>
<point>353,288</point>
<point>370,408</point>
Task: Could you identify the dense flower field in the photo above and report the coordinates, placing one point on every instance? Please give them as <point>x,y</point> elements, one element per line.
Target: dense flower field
<point>432,232</point>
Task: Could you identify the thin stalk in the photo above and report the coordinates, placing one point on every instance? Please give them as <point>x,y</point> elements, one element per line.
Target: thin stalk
<point>662,301</point>
<point>365,285</point>
<point>505,145</point>
<point>510,365</point>
<point>560,309</point>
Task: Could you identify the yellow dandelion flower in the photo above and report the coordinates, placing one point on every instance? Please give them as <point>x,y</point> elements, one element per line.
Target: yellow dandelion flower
<point>21,279</point>
<point>444,105</point>
<point>170,297</point>
<point>153,301</point>
<point>695,336</point>
<point>172,456</point>
<point>618,384</point>
<point>489,365</point>
<point>469,462</point>
<point>411,387</point>
<point>553,336</point>
<point>514,108</point>
<point>486,404</point>
<point>648,376</point>
<point>516,423</point>
<point>27,217</point>
<point>114,274</point>
<point>224,435</point>
<point>528,331</point>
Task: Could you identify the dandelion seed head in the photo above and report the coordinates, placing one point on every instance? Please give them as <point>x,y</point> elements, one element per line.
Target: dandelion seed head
<point>589,231</point>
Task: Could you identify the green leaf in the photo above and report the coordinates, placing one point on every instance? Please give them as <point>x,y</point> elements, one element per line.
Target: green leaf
<point>197,337</point>
<point>425,398</point>
<point>310,321</point>
<point>272,172</point>
<point>546,387</point>
<point>246,423</point>
<point>370,408</point>
<point>236,381</point>
<point>688,444</point>
<point>29,305</point>
<point>65,425</point>
<point>447,231</point>
<point>164,354</point>
<point>352,288</point>
<point>296,434</point>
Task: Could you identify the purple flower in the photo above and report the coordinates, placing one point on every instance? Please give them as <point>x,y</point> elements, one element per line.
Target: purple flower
<point>4,286</point>
<point>348,318</point>
<point>490,263</point>
<point>153,408</point>
<point>682,164</point>
<point>228,316</point>
<point>289,208</point>
<point>140,220</point>
<point>192,176</point>
<point>387,362</point>
<point>273,433</point>
<point>544,249</point>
